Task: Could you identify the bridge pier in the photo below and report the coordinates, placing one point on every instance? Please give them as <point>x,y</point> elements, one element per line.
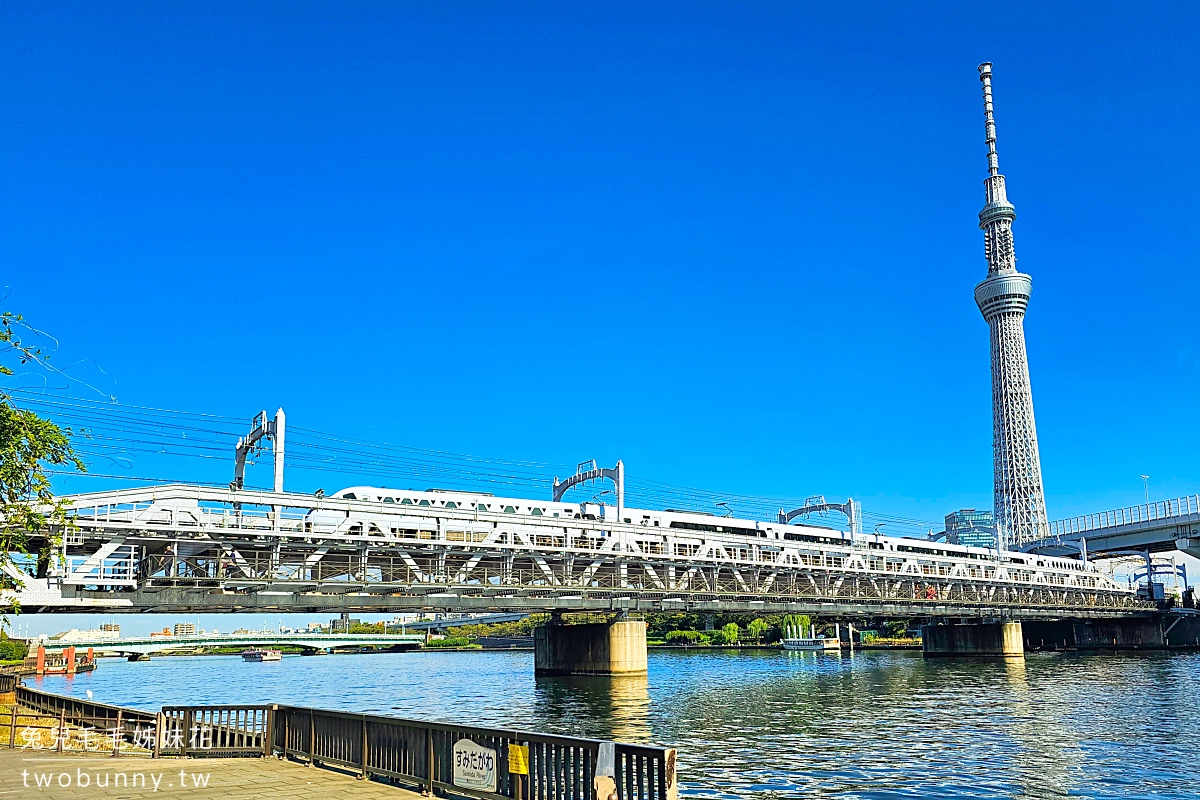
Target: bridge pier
<point>973,639</point>
<point>1165,631</point>
<point>595,648</point>
<point>137,657</point>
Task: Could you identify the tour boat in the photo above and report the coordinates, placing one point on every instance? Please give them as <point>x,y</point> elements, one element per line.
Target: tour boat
<point>794,639</point>
<point>819,644</point>
<point>261,654</point>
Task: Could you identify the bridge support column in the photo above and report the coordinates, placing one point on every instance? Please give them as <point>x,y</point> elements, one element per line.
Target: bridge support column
<point>974,639</point>
<point>598,648</point>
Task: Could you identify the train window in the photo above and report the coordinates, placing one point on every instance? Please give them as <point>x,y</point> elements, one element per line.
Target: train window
<point>349,496</point>
<point>423,503</point>
<point>537,512</point>
<point>388,500</point>
<point>480,507</point>
<point>451,504</point>
<point>405,502</point>
<point>509,510</point>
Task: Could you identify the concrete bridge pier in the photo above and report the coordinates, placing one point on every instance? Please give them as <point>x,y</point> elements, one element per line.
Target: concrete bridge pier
<point>595,648</point>
<point>137,657</point>
<point>1002,639</point>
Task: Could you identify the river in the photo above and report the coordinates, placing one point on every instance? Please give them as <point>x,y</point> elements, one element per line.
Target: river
<point>765,725</point>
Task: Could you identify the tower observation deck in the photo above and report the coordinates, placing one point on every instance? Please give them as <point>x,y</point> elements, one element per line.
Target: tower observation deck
<point>1020,504</point>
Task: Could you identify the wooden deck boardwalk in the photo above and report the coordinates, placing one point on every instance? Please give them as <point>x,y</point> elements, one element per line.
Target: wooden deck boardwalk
<point>71,777</point>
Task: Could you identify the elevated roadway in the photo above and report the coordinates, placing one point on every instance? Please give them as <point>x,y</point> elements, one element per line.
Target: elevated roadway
<point>1161,527</point>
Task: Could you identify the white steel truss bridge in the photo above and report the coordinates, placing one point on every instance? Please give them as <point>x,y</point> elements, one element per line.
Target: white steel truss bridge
<point>190,548</point>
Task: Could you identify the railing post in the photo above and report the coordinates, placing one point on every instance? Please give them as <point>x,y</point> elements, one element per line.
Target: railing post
<point>158,735</point>
<point>269,732</point>
<point>62,728</point>
<point>312,737</point>
<point>120,734</point>
<point>431,761</point>
<point>12,730</point>
<point>186,723</point>
<point>364,747</point>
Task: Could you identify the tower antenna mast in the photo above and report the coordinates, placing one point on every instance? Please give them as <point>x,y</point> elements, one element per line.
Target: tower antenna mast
<point>1020,502</point>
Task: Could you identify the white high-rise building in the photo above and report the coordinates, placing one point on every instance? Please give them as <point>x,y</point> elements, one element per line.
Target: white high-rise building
<point>1020,502</point>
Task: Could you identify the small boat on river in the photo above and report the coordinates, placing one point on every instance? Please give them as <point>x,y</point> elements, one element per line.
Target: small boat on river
<point>262,654</point>
<point>794,639</point>
<point>819,644</point>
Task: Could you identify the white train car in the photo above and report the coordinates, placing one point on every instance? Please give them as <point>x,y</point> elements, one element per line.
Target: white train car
<point>461,516</point>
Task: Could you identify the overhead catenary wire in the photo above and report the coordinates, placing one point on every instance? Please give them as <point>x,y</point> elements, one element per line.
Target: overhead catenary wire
<point>116,434</point>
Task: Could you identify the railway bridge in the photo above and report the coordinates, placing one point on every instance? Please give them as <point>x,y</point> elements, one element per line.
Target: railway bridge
<point>186,548</point>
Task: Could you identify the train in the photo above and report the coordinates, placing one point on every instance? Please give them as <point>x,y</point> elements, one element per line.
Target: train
<point>382,510</point>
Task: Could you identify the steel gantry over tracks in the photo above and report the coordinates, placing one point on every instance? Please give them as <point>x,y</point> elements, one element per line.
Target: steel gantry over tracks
<point>190,548</point>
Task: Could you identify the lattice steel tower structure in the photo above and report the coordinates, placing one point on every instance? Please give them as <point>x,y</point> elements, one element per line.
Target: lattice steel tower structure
<point>1020,502</point>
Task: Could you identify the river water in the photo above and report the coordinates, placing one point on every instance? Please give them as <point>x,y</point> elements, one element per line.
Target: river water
<point>765,724</point>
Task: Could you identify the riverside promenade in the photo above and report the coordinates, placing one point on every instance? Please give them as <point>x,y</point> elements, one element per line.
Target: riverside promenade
<point>70,777</point>
<point>60,746</point>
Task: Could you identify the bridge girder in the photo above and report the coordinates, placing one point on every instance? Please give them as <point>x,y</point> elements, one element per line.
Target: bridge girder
<point>178,557</point>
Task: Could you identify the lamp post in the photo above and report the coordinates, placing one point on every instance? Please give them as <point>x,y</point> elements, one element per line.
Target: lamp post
<point>1146,486</point>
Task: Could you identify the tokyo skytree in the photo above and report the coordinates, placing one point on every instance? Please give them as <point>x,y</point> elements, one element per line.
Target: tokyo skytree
<point>1020,502</point>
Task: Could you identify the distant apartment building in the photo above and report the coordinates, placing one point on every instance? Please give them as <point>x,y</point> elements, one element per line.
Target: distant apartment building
<point>184,629</point>
<point>76,635</point>
<point>971,528</point>
<point>111,627</point>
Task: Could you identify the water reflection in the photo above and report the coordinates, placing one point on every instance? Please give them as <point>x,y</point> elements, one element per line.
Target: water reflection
<point>622,701</point>
<point>768,725</point>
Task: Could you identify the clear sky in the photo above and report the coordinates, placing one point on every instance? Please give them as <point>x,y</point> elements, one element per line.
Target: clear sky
<point>732,244</point>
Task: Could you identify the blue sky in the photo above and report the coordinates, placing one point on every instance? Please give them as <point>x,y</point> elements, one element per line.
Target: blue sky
<point>732,244</point>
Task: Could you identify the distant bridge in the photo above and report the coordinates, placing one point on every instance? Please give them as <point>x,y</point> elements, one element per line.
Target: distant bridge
<point>142,645</point>
<point>1159,527</point>
<point>459,621</point>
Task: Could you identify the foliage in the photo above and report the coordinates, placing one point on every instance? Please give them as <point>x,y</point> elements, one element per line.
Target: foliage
<point>521,627</point>
<point>796,625</point>
<point>13,649</point>
<point>366,627</point>
<point>29,446</point>
<point>728,634</point>
<point>756,629</point>
<point>449,641</point>
<point>684,637</point>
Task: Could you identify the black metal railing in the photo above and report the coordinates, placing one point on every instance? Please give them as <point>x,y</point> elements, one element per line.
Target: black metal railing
<point>463,760</point>
<point>424,754</point>
<point>8,682</point>
<point>73,709</point>
<point>42,721</point>
<point>216,730</point>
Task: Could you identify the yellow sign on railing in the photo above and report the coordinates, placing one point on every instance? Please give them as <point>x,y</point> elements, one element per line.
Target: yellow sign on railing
<point>518,759</point>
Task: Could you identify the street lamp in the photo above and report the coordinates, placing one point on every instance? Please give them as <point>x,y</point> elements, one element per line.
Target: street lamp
<point>1146,486</point>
